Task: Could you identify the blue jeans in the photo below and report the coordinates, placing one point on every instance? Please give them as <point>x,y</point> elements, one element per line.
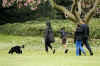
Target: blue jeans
<point>79,46</point>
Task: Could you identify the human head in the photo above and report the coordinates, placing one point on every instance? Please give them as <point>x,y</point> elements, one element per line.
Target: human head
<point>78,25</point>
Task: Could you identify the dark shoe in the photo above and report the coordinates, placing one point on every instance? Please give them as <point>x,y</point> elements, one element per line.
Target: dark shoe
<point>66,50</point>
<point>91,54</point>
<point>54,51</point>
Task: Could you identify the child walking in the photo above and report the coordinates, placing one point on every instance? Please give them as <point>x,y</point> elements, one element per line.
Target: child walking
<point>64,38</point>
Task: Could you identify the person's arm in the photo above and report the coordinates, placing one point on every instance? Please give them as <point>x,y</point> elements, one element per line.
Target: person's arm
<point>74,37</point>
<point>46,32</point>
<point>69,33</point>
<point>88,31</point>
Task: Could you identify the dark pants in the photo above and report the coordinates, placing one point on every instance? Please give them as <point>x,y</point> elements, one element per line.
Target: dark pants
<point>47,45</point>
<point>85,42</point>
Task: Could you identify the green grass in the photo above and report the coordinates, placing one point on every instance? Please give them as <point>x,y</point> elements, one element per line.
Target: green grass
<point>34,54</point>
<point>33,60</point>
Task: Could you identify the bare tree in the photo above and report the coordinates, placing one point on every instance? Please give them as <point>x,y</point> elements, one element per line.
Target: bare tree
<point>77,10</point>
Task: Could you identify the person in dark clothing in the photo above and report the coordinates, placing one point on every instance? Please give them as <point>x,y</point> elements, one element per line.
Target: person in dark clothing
<point>78,40</point>
<point>16,49</point>
<point>49,38</point>
<point>85,29</point>
<point>64,38</point>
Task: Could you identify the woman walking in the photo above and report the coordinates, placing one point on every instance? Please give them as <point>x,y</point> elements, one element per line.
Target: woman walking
<point>78,40</point>
<point>49,37</point>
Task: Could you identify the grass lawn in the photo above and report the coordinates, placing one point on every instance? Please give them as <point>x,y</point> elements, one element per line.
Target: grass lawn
<point>34,54</point>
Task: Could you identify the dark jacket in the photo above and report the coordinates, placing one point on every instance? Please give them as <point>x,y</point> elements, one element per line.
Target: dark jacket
<point>85,29</point>
<point>49,36</point>
<point>78,34</point>
<point>63,34</point>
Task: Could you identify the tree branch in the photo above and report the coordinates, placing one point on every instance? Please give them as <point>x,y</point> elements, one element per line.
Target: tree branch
<point>76,9</point>
<point>64,10</point>
<point>91,12</point>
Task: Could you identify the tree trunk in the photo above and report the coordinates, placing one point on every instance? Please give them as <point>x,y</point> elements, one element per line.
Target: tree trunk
<point>63,10</point>
<point>75,14</point>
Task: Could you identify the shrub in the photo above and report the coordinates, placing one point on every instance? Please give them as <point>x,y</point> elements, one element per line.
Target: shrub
<point>36,28</point>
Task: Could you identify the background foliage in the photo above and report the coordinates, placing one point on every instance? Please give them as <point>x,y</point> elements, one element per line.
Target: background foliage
<point>36,28</point>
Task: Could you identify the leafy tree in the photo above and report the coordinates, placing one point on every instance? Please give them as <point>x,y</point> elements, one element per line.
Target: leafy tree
<point>17,10</point>
<point>81,9</point>
<point>21,3</point>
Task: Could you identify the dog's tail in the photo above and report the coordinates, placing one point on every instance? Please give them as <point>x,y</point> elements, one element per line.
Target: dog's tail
<point>22,46</point>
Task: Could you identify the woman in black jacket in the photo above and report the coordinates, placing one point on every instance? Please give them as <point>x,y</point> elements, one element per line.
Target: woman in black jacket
<point>49,37</point>
<point>78,40</point>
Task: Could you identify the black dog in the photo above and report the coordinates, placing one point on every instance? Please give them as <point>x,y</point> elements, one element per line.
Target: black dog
<point>16,49</point>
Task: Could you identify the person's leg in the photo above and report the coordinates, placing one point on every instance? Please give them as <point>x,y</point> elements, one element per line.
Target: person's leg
<point>66,50</point>
<point>79,51</point>
<point>64,44</point>
<point>77,48</point>
<point>46,46</point>
<point>81,48</point>
<point>88,47</point>
<point>50,46</point>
